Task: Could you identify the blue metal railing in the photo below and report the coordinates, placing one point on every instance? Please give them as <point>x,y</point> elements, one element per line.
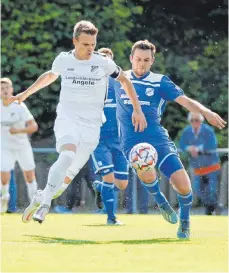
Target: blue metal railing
<point>133,177</point>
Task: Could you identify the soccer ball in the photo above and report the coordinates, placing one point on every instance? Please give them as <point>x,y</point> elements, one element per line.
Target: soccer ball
<point>143,157</point>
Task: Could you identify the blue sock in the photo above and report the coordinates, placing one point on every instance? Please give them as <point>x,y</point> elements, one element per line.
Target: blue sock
<point>185,203</point>
<point>108,199</point>
<point>99,186</point>
<point>153,189</point>
<point>116,194</point>
<point>12,206</point>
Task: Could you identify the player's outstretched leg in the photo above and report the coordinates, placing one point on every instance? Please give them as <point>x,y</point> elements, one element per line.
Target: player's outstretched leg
<point>166,210</point>
<point>56,177</point>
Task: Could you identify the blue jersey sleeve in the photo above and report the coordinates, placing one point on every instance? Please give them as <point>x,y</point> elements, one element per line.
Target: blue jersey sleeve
<point>169,90</point>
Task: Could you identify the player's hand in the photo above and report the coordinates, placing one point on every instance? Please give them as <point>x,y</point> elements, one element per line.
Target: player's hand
<point>139,121</point>
<point>193,151</point>
<point>214,119</point>
<point>20,97</point>
<point>13,131</point>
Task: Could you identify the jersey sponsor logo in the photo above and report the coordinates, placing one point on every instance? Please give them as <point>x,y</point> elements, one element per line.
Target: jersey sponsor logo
<point>12,114</point>
<point>70,69</point>
<point>149,92</point>
<point>142,102</point>
<point>124,96</point>
<point>83,80</point>
<point>110,105</point>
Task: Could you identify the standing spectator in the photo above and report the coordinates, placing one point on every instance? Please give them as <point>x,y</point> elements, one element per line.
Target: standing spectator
<point>200,141</point>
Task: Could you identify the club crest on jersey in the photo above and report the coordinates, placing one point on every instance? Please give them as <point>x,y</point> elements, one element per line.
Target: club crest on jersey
<point>149,92</point>
<point>94,68</point>
<point>172,149</point>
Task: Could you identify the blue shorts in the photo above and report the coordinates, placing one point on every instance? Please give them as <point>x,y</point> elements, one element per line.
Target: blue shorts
<point>108,158</point>
<point>168,158</point>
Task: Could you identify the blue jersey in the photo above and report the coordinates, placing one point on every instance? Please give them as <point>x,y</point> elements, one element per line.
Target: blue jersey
<point>110,128</point>
<point>108,157</point>
<point>153,91</point>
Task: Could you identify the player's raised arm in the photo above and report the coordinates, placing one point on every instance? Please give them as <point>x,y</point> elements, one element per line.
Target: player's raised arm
<point>196,107</point>
<point>44,80</point>
<point>138,118</point>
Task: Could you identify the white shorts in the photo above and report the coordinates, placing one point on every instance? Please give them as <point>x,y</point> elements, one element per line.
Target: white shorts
<point>86,139</point>
<point>24,157</point>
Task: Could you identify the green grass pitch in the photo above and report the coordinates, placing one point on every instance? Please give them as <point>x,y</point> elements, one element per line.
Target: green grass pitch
<point>81,243</point>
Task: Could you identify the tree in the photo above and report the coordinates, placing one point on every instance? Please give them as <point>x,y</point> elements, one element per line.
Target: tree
<point>34,32</point>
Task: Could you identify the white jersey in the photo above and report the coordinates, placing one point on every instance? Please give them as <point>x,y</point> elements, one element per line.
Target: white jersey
<point>83,86</point>
<point>14,115</point>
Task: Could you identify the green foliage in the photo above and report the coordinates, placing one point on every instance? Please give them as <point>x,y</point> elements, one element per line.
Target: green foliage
<point>34,32</point>
<point>190,37</point>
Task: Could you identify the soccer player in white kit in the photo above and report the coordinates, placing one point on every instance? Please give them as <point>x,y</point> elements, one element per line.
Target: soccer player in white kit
<point>16,123</point>
<point>84,78</point>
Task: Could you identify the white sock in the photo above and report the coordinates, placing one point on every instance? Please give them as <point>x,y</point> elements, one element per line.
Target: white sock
<point>31,189</point>
<point>57,174</point>
<point>5,189</point>
<point>61,189</point>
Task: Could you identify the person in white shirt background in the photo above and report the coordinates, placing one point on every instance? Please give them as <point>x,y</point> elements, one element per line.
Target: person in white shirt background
<point>84,74</point>
<point>16,124</point>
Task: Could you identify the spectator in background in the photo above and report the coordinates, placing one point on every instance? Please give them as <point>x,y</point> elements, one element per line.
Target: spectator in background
<point>200,141</point>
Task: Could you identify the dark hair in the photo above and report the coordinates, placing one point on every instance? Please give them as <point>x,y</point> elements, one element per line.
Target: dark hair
<point>84,27</point>
<point>144,45</point>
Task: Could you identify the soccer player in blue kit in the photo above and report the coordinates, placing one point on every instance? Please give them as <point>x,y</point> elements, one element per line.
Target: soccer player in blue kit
<point>108,159</point>
<point>153,91</point>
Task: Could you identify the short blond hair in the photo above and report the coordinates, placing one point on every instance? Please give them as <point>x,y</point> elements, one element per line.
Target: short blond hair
<point>144,45</point>
<point>84,27</point>
<point>6,80</point>
<point>106,51</point>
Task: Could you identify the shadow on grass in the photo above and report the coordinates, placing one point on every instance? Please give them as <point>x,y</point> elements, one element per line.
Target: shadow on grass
<point>102,225</point>
<point>63,241</point>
